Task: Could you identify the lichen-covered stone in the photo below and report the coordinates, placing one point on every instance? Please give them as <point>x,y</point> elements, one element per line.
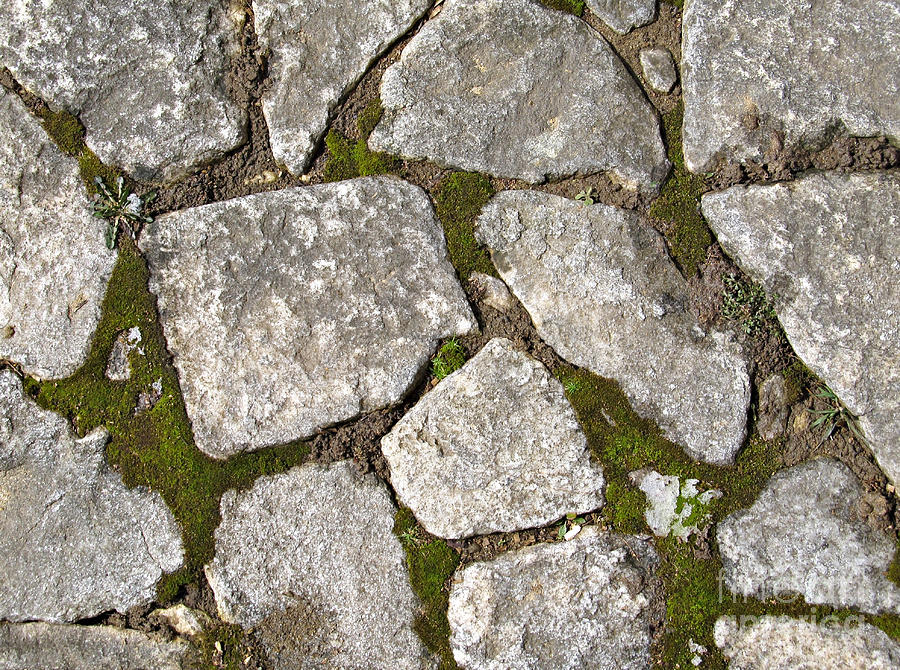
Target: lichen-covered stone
<point>659,69</point>
<point>623,15</point>
<point>149,80</point>
<point>317,51</point>
<point>758,72</point>
<point>803,535</point>
<point>311,554</point>
<point>825,247</point>
<point>782,643</point>
<point>118,367</point>
<point>292,310</point>
<point>74,542</point>
<point>514,89</point>
<point>54,264</point>
<point>568,605</point>
<point>494,447</point>
<point>603,292</point>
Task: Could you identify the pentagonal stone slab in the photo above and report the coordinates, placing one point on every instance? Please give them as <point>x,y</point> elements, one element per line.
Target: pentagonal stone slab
<point>803,535</point>
<point>604,294</point>
<point>623,15</point>
<point>292,310</point>
<point>494,447</point>
<point>826,247</point>
<point>149,81</point>
<point>514,89</point>
<point>74,542</point>
<point>762,71</point>
<point>782,643</point>
<point>318,50</point>
<point>309,559</point>
<point>54,264</point>
<point>577,604</point>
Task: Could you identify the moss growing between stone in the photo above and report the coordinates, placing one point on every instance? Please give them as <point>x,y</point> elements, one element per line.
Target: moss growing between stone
<point>224,646</point>
<point>575,7</point>
<point>458,201</point>
<point>349,159</point>
<point>678,206</point>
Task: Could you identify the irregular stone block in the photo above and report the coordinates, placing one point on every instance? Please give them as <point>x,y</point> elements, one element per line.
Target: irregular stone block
<point>623,15</point>
<point>659,69</point>
<point>773,408</point>
<point>495,294</point>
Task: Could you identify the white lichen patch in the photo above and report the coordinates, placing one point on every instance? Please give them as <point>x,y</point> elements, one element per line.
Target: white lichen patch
<point>675,508</point>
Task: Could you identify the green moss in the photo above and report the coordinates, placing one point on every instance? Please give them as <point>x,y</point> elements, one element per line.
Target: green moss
<point>798,379</point>
<point>224,646</point>
<point>449,358</point>
<point>431,564</point>
<point>624,507</point>
<point>575,7</point>
<point>458,201</point>
<point>154,448</point>
<point>348,159</point>
<point>678,205</point>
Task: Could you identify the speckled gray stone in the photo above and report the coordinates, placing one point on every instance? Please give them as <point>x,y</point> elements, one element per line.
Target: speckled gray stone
<point>515,89</point>
<point>603,292</point>
<point>623,15</point>
<point>659,69</point>
<point>773,408</point>
<point>149,80</point>
<point>494,447</point>
<point>567,605</point>
<point>292,310</point>
<point>74,541</point>
<point>756,69</point>
<point>54,264</point>
<point>826,247</point>
<point>494,292</point>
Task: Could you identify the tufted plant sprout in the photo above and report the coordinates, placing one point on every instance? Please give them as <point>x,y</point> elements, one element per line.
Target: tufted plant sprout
<point>120,207</point>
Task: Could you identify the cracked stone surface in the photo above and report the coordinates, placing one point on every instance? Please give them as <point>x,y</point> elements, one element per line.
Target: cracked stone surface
<point>603,292</point>
<point>316,545</point>
<point>292,310</point>
<point>782,643</point>
<point>494,447</point>
<point>318,51</point>
<point>149,81</point>
<point>65,516</point>
<point>623,15</point>
<point>25,646</point>
<point>583,603</point>
<point>755,70</point>
<point>54,264</point>
<point>826,247</point>
<point>804,535</point>
<point>514,89</point>
<point>659,69</point>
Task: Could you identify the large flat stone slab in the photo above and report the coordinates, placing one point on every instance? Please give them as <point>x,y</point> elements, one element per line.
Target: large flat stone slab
<point>514,89</point>
<point>292,310</point>
<point>603,292</point>
<point>494,447</point>
<point>54,264</point>
<point>825,247</point>
<point>74,542</point>
<point>804,535</point>
<point>756,69</point>
<point>577,604</point>
<point>318,50</point>
<point>311,554</point>
<point>149,81</point>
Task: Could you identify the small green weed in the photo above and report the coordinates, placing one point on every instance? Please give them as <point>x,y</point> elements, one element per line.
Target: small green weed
<point>834,415</point>
<point>588,196</point>
<point>120,207</point>
<point>570,522</point>
<point>449,358</point>
<point>748,304</point>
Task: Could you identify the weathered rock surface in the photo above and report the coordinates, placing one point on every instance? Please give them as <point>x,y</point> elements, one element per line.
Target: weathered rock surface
<point>826,247</point>
<point>675,508</point>
<point>291,310</point>
<point>782,643</point>
<point>762,71</point>
<point>773,408</point>
<point>318,51</point>
<point>659,69</point>
<point>74,542</point>
<point>494,447</point>
<point>803,535</point>
<point>118,367</point>
<point>149,81</point>
<point>623,15</point>
<point>584,603</point>
<point>494,292</point>
<point>54,264</point>
<point>514,89</point>
<point>312,552</point>
<point>604,294</point>
<point>182,619</point>
<point>26,646</point>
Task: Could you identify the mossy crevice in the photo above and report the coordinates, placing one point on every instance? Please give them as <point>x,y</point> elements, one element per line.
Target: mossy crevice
<point>575,7</point>
<point>348,159</point>
<point>458,200</point>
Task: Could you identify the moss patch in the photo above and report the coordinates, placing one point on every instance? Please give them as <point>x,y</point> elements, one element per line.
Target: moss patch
<point>458,201</point>
<point>575,7</point>
<point>349,159</point>
<point>449,358</point>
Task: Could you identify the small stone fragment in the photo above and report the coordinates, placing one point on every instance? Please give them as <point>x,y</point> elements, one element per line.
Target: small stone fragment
<point>659,69</point>
<point>804,535</point>
<point>183,619</point>
<point>495,447</point>
<point>603,292</point>
<point>515,89</point>
<point>623,15</point>
<point>676,508</point>
<point>773,408</point>
<point>584,603</point>
<point>26,646</point>
<point>292,310</point>
<point>67,518</point>
<point>54,264</point>
<point>782,643</point>
<point>698,651</point>
<point>494,291</point>
<point>118,367</point>
<point>308,558</point>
